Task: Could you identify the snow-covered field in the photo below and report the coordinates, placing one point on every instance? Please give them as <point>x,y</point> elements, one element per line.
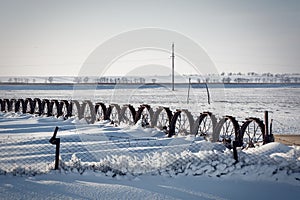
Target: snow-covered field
<point>101,161</point>
<point>281,100</point>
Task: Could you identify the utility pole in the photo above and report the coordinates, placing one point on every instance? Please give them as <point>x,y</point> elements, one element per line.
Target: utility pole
<point>173,57</point>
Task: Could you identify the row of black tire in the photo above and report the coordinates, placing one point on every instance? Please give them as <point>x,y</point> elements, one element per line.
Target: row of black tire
<point>180,122</point>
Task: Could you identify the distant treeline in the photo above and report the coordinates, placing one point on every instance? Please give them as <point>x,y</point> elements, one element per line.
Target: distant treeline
<point>250,77</point>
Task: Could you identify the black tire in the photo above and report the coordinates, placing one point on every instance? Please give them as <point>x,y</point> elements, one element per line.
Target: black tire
<point>205,126</point>
<point>182,123</point>
<point>37,106</point>
<point>252,133</point>
<point>88,112</point>
<point>100,110</point>
<point>28,106</point>
<point>145,113</point>
<point>53,108</point>
<point>162,119</point>
<point>128,114</point>
<point>114,114</point>
<point>45,106</point>
<point>227,131</point>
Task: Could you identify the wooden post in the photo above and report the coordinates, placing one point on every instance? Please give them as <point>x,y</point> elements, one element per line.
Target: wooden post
<point>56,141</point>
<point>173,57</point>
<point>235,154</point>
<point>208,96</point>
<point>57,153</point>
<point>188,97</point>
<point>266,139</point>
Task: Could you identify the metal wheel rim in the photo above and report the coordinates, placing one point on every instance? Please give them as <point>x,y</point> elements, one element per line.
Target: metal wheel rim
<point>253,135</point>
<point>13,106</point>
<point>128,118</point>
<point>87,115</point>
<point>182,125</point>
<point>227,132</point>
<point>45,110</point>
<point>100,114</point>
<point>163,120</point>
<point>54,110</point>
<point>114,115</point>
<point>74,110</point>
<point>36,107</point>
<point>64,110</point>
<point>146,118</point>
<point>28,108</point>
<point>20,108</point>
<point>206,128</point>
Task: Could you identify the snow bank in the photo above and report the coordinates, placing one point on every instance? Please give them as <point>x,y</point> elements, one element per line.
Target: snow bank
<point>133,152</point>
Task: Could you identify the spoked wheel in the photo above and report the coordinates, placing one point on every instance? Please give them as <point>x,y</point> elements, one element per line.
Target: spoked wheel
<point>181,123</point>
<point>205,126</point>
<point>6,105</point>
<point>252,133</point>
<point>1,105</point>
<point>28,106</point>
<point>88,112</point>
<point>145,113</point>
<point>37,106</point>
<point>54,108</point>
<point>162,119</point>
<point>20,106</point>
<point>75,109</point>
<point>64,109</point>
<point>128,114</point>
<point>114,113</point>
<point>46,107</point>
<point>100,110</point>
<point>227,131</point>
<point>12,105</point>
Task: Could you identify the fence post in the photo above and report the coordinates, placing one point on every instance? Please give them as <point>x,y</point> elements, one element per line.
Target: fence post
<point>235,154</point>
<point>266,139</point>
<point>271,136</point>
<point>55,141</point>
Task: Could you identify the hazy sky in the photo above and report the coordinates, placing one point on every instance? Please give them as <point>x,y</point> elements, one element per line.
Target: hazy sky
<point>55,37</point>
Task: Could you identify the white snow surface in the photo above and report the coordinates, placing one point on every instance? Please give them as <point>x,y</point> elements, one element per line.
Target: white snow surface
<point>96,186</point>
<point>100,161</point>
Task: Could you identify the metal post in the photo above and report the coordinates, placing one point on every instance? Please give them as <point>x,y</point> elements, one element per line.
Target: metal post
<point>173,56</point>
<point>57,153</point>
<point>53,140</point>
<point>207,91</point>
<point>235,154</point>
<point>271,136</point>
<point>266,139</point>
